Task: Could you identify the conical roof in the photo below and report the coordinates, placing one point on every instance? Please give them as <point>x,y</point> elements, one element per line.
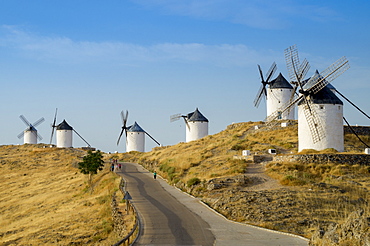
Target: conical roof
<point>324,96</point>
<point>135,128</point>
<point>197,116</point>
<point>31,129</point>
<point>280,82</point>
<point>309,85</point>
<point>64,126</point>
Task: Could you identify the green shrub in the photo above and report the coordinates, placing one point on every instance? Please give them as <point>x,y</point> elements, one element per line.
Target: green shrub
<point>193,181</point>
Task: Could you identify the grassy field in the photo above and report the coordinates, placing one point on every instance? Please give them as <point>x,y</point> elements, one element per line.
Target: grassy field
<point>45,200</point>
<point>310,195</point>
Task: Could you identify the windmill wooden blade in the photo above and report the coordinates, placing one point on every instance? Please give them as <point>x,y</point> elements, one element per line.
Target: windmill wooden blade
<point>20,135</point>
<point>124,117</point>
<point>38,136</point>
<point>261,74</point>
<point>294,92</point>
<point>82,138</point>
<point>292,62</point>
<point>328,75</point>
<point>52,134</point>
<point>262,90</point>
<point>314,124</point>
<point>261,93</point>
<point>38,122</point>
<point>53,126</point>
<point>25,120</point>
<point>270,72</point>
<point>152,138</point>
<point>303,69</point>
<point>175,117</point>
<point>120,135</point>
<point>276,114</point>
<point>186,121</point>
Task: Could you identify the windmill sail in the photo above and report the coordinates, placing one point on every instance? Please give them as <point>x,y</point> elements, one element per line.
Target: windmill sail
<point>53,126</point>
<point>31,127</point>
<point>262,90</point>
<point>316,83</point>
<point>124,118</point>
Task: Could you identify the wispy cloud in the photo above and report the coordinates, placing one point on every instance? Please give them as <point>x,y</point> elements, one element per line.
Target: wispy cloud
<point>65,50</point>
<point>265,14</point>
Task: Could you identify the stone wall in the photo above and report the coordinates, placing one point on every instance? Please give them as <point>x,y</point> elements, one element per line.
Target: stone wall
<point>119,224</point>
<point>350,159</point>
<point>360,130</point>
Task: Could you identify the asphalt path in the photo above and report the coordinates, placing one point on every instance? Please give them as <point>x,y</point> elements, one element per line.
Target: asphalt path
<point>165,220</point>
<point>171,217</point>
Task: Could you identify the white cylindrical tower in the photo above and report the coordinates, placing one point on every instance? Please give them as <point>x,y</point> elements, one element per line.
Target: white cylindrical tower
<point>135,140</point>
<point>64,135</point>
<point>279,93</point>
<point>30,136</point>
<point>196,126</point>
<point>329,111</point>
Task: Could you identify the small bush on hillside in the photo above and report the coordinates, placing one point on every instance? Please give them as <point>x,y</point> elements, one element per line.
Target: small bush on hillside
<point>291,180</point>
<point>238,147</point>
<point>193,181</point>
<point>171,171</point>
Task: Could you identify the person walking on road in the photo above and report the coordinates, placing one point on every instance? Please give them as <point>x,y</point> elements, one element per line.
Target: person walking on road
<point>155,175</point>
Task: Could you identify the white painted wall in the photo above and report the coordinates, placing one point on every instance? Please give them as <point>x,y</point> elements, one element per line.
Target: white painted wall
<point>278,99</point>
<point>30,137</point>
<point>331,116</point>
<point>135,141</point>
<point>64,138</point>
<point>196,130</point>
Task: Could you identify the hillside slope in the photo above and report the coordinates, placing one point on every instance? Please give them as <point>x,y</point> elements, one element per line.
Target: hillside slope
<point>289,197</point>
<point>44,199</point>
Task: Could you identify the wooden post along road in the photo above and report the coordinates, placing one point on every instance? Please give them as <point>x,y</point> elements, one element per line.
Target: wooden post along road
<point>171,217</point>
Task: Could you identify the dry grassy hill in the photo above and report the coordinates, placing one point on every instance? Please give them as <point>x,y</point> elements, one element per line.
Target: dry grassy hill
<point>44,198</point>
<point>292,197</point>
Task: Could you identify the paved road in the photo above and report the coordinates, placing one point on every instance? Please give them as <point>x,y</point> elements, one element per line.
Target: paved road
<point>166,221</point>
<point>171,217</point>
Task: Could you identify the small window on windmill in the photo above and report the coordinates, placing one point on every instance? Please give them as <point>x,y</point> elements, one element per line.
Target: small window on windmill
<point>279,115</point>
<point>321,106</point>
<point>272,151</point>
<point>338,107</point>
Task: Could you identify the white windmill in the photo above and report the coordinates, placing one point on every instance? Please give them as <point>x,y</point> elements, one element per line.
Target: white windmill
<point>64,134</point>
<point>277,95</point>
<point>135,135</point>
<point>320,111</point>
<point>30,134</point>
<point>196,124</point>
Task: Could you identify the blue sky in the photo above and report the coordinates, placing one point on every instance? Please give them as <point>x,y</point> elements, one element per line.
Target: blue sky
<point>92,59</point>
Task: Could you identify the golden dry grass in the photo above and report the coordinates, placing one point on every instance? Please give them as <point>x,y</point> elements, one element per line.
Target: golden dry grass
<point>44,199</point>
<point>212,156</point>
<point>345,187</point>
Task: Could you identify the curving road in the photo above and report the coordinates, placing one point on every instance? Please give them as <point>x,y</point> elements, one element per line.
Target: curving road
<point>166,221</point>
<point>171,217</point>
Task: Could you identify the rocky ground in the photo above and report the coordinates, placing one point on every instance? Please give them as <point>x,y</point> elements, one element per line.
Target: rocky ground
<point>258,199</point>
